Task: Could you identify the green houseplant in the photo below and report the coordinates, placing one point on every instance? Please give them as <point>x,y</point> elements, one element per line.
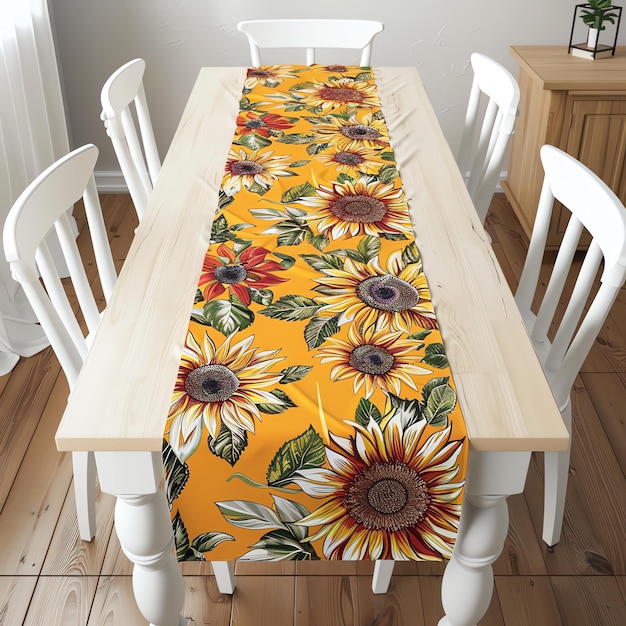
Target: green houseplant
<point>599,11</point>
<point>594,14</point>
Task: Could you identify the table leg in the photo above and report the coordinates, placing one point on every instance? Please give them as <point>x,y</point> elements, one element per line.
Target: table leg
<point>468,579</point>
<point>143,526</point>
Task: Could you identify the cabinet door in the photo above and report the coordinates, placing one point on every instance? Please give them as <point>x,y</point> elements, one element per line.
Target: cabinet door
<point>597,138</point>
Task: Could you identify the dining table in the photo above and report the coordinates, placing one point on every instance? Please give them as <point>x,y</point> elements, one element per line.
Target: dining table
<point>120,404</point>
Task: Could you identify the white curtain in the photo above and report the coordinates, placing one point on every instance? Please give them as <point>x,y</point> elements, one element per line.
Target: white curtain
<point>33,134</point>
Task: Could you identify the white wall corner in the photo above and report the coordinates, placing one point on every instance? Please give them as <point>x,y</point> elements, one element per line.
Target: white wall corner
<point>110,181</point>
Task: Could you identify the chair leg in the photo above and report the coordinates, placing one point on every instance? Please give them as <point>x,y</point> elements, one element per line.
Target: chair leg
<point>556,470</point>
<point>555,488</point>
<point>224,575</point>
<point>84,466</point>
<point>382,576</point>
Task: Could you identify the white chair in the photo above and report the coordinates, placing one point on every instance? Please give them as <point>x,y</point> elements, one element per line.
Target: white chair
<point>489,123</point>
<point>596,209</point>
<point>310,34</point>
<point>42,206</point>
<point>136,151</point>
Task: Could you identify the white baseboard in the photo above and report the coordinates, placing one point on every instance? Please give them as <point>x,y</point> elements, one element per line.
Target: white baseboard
<point>110,181</point>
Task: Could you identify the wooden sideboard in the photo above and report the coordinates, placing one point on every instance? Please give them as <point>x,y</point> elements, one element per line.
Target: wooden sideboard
<point>575,104</point>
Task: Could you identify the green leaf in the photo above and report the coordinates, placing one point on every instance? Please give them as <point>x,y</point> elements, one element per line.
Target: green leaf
<point>181,539</point>
<point>287,261</point>
<point>254,142</point>
<point>306,451</point>
<point>227,316</point>
<point>317,241</point>
<point>409,409</point>
<point>422,334</point>
<point>284,403</point>
<point>224,200</point>
<point>290,232</point>
<point>319,329</point>
<point>301,86</point>
<point>439,400</point>
<point>176,473</point>
<point>262,296</point>
<point>388,156</point>
<point>280,545</point>
<point>315,148</point>
<point>366,411</point>
<point>323,262</point>
<point>368,247</point>
<point>394,236</point>
<point>292,308</point>
<point>297,138</point>
<point>251,515</point>
<point>411,254</point>
<point>289,511</point>
<point>297,193</point>
<point>387,173</point>
<point>293,373</point>
<point>268,214</point>
<point>363,76</point>
<point>435,355</point>
<point>300,163</point>
<point>342,178</point>
<point>198,318</point>
<point>199,297</point>
<point>229,444</point>
<point>206,542</point>
<point>258,189</point>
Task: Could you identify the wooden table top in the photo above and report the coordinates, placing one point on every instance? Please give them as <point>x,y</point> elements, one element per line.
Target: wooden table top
<point>122,396</point>
<point>560,71</point>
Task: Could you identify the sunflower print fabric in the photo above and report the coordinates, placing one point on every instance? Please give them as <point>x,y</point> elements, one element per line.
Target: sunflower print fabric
<point>314,414</point>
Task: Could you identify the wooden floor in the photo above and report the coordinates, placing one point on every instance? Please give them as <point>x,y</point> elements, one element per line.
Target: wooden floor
<point>49,577</point>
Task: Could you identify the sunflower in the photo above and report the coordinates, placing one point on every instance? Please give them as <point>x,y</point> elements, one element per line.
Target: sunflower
<point>369,132</point>
<point>268,75</point>
<point>261,123</point>
<point>370,296</point>
<point>361,207</point>
<point>219,385</point>
<point>258,168</point>
<point>353,161</point>
<point>238,273</point>
<point>337,92</point>
<point>390,493</point>
<point>380,361</point>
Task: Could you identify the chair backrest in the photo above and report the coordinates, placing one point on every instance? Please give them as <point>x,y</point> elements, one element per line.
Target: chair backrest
<point>41,206</point>
<point>136,151</point>
<point>596,209</point>
<point>310,34</point>
<point>489,123</point>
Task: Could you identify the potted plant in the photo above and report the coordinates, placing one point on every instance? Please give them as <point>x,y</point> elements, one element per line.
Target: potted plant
<point>594,15</point>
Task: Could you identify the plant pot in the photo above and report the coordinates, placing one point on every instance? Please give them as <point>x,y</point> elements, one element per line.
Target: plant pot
<point>592,38</point>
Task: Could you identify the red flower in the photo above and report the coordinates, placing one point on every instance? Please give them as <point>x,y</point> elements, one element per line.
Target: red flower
<point>238,273</point>
<point>251,122</point>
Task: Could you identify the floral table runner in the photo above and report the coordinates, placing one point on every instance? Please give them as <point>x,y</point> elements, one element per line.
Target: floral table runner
<point>314,414</point>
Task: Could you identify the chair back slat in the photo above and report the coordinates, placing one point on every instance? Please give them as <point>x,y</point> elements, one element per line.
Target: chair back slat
<point>597,210</point>
<point>123,101</point>
<point>311,35</point>
<point>488,125</point>
<point>41,207</point>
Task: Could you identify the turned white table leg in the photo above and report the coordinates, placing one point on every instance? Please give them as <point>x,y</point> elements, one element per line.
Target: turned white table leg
<point>468,580</point>
<point>143,526</point>
<point>382,576</point>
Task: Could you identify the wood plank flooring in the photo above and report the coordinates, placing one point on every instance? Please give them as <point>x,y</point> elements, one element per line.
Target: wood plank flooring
<point>49,577</point>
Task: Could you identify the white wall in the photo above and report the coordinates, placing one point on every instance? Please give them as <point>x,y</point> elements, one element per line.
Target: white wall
<point>177,37</point>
